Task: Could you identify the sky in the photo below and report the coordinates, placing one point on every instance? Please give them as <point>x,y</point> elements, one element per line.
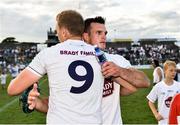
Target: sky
<point>29,20</point>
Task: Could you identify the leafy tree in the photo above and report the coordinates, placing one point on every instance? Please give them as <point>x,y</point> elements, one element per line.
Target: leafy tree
<point>9,40</point>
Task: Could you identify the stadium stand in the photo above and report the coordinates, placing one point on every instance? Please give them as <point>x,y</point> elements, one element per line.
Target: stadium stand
<point>148,49</point>
<point>140,53</point>
<point>16,53</point>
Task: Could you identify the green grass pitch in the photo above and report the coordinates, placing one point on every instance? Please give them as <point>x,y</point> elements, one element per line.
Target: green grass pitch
<point>134,108</point>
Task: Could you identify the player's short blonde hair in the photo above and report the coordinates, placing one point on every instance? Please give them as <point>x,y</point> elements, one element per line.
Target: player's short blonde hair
<point>169,63</point>
<point>71,20</point>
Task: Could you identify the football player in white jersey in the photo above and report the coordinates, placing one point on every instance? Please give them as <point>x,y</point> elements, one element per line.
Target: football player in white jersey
<point>75,78</point>
<point>163,92</point>
<point>116,66</point>
<point>129,79</point>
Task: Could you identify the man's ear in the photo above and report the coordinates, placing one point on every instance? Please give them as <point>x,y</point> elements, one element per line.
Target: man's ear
<point>65,33</point>
<point>86,37</point>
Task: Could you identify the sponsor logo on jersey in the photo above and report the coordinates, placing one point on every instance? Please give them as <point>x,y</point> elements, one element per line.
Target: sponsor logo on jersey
<point>67,52</point>
<point>108,87</point>
<point>168,101</point>
<point>86,53</point>
<point>170,90</point>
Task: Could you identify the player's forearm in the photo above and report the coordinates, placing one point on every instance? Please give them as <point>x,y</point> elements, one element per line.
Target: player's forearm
<point>41,105</point>
<point>135,77</point>
<point>25,79</point>
<point>125,92</point>
<point>153,108</point>
<point>15,88</point>
<point>126,88</point>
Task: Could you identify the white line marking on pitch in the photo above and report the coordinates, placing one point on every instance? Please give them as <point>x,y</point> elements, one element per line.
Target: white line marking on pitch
<point>8,104</point>
<point>13,101</point>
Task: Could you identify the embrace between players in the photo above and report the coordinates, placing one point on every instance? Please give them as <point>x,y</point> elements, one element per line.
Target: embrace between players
<point>76,92</point>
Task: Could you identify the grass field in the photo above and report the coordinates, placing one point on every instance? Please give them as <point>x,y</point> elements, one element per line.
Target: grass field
<point>134,108</point>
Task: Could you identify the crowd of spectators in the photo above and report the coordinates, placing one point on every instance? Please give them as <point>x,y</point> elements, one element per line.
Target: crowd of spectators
<point>142,55</point>
<point>20,56</point>
<point>137,54</point>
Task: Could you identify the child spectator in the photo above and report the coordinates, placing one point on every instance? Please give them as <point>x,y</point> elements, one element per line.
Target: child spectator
<point>164,92</point>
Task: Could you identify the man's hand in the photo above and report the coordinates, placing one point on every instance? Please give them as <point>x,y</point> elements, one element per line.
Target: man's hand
<point>110,69</point>
<point>159,117</point>
<point>35,102</point>
<point>32,97</point>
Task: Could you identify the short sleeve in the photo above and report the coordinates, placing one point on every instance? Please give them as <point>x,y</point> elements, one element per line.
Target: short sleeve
<point>119,60</point>
<point>153,95</point>
<point>38,63</point>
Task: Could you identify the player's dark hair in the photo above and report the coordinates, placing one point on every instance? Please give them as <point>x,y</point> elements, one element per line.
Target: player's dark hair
<point>88,22</point>
<point>156,62</point>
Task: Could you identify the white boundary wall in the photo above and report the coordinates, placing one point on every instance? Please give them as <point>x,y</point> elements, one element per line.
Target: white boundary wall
<point>142,66</point>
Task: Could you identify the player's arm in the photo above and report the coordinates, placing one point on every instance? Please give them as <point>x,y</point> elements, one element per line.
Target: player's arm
<point>154,111</point>
<point>133,76</point>
<point>126,88</point>
<point>42,106</point>
<point>25,79</point>
<point>159,74</point>
<point>35,102</point>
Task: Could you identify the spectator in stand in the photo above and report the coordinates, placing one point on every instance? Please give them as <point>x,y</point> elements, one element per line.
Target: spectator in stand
<point>158,74</point>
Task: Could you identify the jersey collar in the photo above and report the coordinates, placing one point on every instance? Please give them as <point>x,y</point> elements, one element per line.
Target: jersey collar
<point>75,42</point>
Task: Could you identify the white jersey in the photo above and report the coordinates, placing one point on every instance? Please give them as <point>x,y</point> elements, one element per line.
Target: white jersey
<point>164,94</point>
<point>111,94</point>
<point>3,79</point>
<point>75,82</point>
<point>14,71</point>
<point>156,77</point>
